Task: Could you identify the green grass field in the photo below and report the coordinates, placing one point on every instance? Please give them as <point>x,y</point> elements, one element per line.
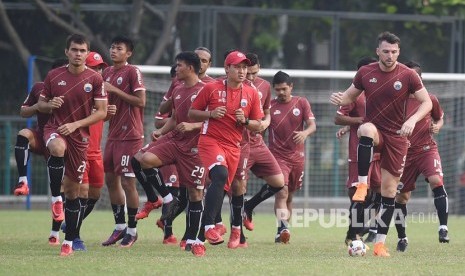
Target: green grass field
<point>313,250</point>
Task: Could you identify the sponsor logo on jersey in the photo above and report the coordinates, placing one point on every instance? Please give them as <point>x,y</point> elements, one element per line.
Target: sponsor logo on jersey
<point>296,112</point>
<point>119,80</point>
<point>125,170</point>
<point>373,80</point>
<point>87,87</point>
<point>178,97</point>
<point>62,83</point>
<point>398,85</point>
<point>276,112</point>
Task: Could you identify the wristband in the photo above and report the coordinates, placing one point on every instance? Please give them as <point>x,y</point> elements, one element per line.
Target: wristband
<point>246,122</point>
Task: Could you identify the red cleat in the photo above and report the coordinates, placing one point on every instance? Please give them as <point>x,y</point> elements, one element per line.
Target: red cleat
<point>21,189</point>
<point>247,220</point>
<point>213,237</point>
<point>285,236</point>
<point>160,224</point>
<point>53,241</point>
<point>148,207</point>
<point>243,245</point>
<point>182,244</point>
<point>171,240</point>
<point>221,229</point>
<point>198,250</point>
<point>66,250</point>
<point>234,238</point>
<point>57,211</point>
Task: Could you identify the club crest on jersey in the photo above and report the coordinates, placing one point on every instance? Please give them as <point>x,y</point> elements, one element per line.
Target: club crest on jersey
<point>87,87</point>
<point>173,178</point>
<point>119,80</point>
<point>276,112</point>
<point>243,102</point>
<point>260,95</point>
<point>193,97</point>
<point>398,85</point>
<point>296,111</point>
<point>220,158</point>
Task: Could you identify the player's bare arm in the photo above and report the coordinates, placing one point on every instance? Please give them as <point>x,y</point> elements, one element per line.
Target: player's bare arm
<point>346,97</point>
<point>166,106</point>
<point>266,120</point>
<point>99,114</point>
<point>424,108</point>
<point>187,127</point>
<point>436,126</point>
<point>252,125</point>
<point>111,111</point>
<point>343,120</point>
<point>138,99</point>
<point>167,127</point>
<point>300,136</point>
<point>29,111</point>
<point>202,115</point>
<point>342,131</point>
<point>45,106</point>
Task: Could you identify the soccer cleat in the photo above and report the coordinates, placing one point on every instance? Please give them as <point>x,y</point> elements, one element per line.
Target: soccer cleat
<point>115,236</point>
<point>243,245</point>
<point>221,229</point>
<point>402,245</point>
<point>171,209</point>
<point>78,245</point>
<point>234,238</point>
<point>170,240</point>
<point>21,189</point>
<point>371,237</point>
<point>198,250</point>
<point>66,250</point>
<point>57,211</point>
<point>148,207</point>
<point>381,250</point>
<point>213,237</point>
<point>360,193</point>
<point>160,224</point>
<point>285,236</point>
<point>53,241</point>
<point>183,244</point>
<point>128,240</point>
<point>247,220</point>
<point>443,236</point>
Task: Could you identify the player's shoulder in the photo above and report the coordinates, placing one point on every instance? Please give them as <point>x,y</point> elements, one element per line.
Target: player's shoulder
<point>38,86</point>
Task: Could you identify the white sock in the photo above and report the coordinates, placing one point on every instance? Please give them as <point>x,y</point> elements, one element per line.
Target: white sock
<point>380,238</point>
<point>403,239</point>
<point>23,179</point>
<point>208,227</point>
<point>55,234</point>
<point>443,227</point>
<point>168,198</point>
<point>120,227</point>
<point>132,231</point>
<point>363,179</point>
<point>197,241</point>
<point>188,241</point>
<point>56,198</point>
<point>68,242</point>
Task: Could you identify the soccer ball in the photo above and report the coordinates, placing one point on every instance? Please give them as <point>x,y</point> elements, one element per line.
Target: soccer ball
<point>357,248</point>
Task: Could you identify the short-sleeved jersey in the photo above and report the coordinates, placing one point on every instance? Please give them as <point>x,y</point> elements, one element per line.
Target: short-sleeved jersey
<point>174,82</point>
<point>128,122</point>
<point>207,79</point>
<point>285,119</point>
<point>215,94</point>
<point>79,93</point>
<point>386,94</point>
<point>182,99</point>
<point>32,99</point>
<point>94,151</point>
<point>264,93</point>
<point>422,138</point>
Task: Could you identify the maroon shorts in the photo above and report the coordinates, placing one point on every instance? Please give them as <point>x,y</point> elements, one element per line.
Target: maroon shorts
<point>214,153</point>
<point>188,165</point>
<point>241,172</point>
<point>374,174</point>
<point>94,175</point>
<point>170,175</point>
<point>75,154</point>
<point>427,163</point>
<point>293,171</point>
<point>117,156</point>
<point>262,162</point>
<point>393,151</point>
<point>39,147</point>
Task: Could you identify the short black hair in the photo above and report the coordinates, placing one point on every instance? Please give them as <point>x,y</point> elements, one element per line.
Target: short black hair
<point>59,62</point>
<point>412,64</point>
<point>78,39</point>
<point>365,61</point>
<point>191,59</point>
<point>125,40</point>
<point>389,38</point>
<point>253,59</point>
<point>173,71</point>
<point>281,77</point>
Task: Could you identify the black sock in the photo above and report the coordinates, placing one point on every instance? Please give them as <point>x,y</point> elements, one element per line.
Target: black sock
<point>356,218</point>
<point>155,179</point>
<point>72,210</point>
<point>266,191</point>
<point>142,178</point>
<point>442,204</point>
<point>118,212</point>
<point>237,203</point>
<point>183,199</point>
<point>401,214</point>
<point>89,207</point>
<point>364,155</point>
<point>56,225</point>
<point>215,192</point>
<point>22,154</point>
<point>386,211</point>
<point>282,226</point>
<point>218,217</point>
<point>243,238</point>
<point>132,222</point>
<point>195,209</point>
<point>83,203</point>
<point>56,170</point>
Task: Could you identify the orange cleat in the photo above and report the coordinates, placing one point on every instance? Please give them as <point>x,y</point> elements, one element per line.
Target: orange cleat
<point>171,240</point>
<point>148,207</point>
<point>284,236</point>
<point>381,250</point>
<point>160,224</point>
<point>234,238</point>
<point>247,220</point>
<point>57,211</point>
<point>243,245</point>
<point>21,189</point>
<point>198,250</point>
<point>360,193</point>
<point>221,229</point>
<point>213,237</point>
<point>66,250</point>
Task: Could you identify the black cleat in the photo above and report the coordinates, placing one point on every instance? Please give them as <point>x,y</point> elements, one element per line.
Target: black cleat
<point>402,245</point>
<point>443,236</point>
<point>171,209</point>
<point>371,237</point>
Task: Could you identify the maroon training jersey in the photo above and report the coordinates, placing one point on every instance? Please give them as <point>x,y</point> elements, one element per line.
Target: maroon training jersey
<point>386,94</point>
<point>285,119</point>
<point>31,100</point>
<point>128,122</point>
<point>264,93</point>
<point>174,83</point>
<point>215,94</point>
<point>422,137</point>
<point>207,79</point>
<point>79,92</point>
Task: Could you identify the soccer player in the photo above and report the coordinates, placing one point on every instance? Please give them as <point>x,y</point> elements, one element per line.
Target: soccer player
<point>205,62</point>
<point>292,121</point>
<point>352,115</point>
<point>255,156</point>
<point>422,158</point>
<point>178,145</point>
<point>69,95</point>
<point>225,107</point>
<point>125,86</point>
<point>387,85</point>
